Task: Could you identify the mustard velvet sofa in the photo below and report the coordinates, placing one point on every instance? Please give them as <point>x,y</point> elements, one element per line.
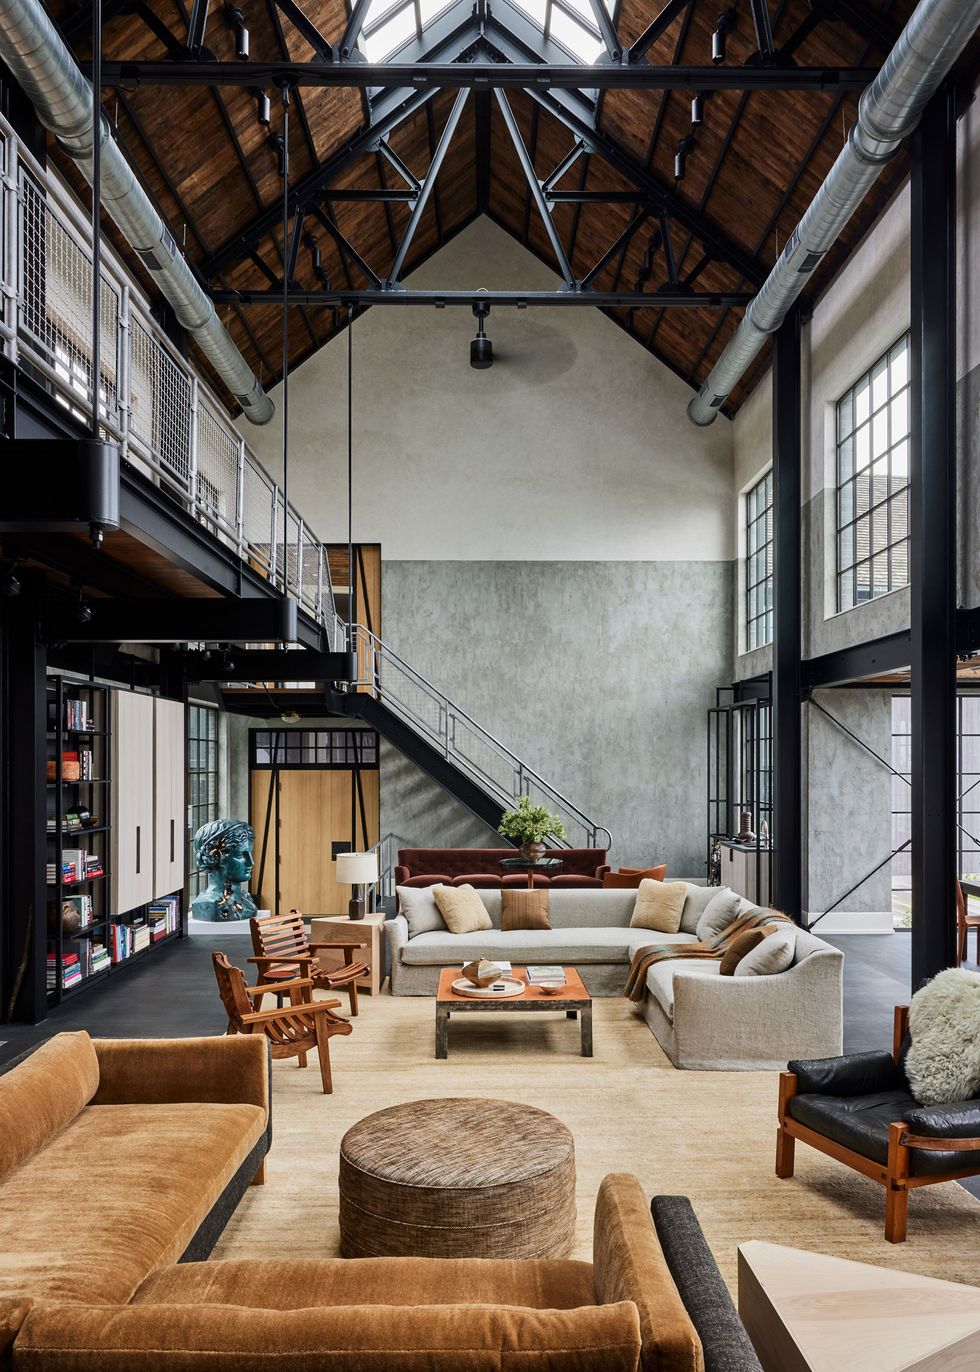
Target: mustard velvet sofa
<point>90,1279</point>
<point>120,1156</point>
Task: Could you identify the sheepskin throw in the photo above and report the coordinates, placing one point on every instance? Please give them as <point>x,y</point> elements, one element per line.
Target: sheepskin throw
<point>943,1062</point>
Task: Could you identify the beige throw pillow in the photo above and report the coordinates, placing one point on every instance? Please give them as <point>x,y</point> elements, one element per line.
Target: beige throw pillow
<point>659,905</point>
<point>773,955</point>
<point>720,911</point>
<point>420,910</point>
<point>462,909</point>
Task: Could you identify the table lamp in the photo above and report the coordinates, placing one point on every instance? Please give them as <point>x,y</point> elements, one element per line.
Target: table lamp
<point>357,870</point>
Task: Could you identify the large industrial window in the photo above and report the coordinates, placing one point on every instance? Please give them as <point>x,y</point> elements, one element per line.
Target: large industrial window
<point>202,782</point>
<point>873,481</point>
<point>967,797</point>
<point>340,749</point>
<point>758,564</point>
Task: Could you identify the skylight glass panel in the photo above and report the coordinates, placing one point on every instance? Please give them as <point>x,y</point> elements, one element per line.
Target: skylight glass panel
<point>571,35</point>
<point>383,42</point>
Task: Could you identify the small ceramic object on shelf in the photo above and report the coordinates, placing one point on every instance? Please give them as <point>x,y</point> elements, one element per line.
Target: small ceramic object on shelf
<point>481,972</point>
<point>551,988</point>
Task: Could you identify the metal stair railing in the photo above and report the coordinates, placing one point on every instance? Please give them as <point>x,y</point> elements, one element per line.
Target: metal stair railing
<point>457,736</point>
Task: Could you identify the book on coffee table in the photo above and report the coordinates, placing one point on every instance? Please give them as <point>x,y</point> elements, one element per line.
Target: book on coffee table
<point>535,975</point>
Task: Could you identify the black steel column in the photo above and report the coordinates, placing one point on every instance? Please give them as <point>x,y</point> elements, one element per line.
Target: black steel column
<point>24,707</point>
<point>932,528</point>
<point>787,738</point>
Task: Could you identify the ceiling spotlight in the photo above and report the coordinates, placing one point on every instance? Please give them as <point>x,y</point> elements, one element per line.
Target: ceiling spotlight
<point>263,108</point>
<point>235,19</point>
<point>10,584</point>
<point>724,26</point>
<point>83,610</point>
<point>314,248</point>
<point>278,145</point>
<point>684,148</point>
<point>697,109</point>
<point>481,348</point>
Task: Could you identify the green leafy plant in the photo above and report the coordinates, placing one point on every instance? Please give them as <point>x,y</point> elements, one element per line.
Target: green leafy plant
<point>527,823</point>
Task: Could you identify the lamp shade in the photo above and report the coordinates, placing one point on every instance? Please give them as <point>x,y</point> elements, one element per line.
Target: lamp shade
<point>357,869</point>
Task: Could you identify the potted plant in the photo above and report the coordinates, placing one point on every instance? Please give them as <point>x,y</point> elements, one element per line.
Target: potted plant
<point>529,825</point>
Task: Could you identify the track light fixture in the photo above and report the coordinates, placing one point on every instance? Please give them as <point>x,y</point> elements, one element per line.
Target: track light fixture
<point>10,583</point>
<point>684,149</point>
<point>314,248</point>
<point>83,610</point>
<point>481,348</point>
<point>724,26</point>
<point>235,20</point>
<point>697,107</point>
<point>278,145</point>
<point>263,107</point>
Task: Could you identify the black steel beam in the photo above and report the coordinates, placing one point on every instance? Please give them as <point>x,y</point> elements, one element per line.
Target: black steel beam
<point>23,710</point>
<point>482,75</point>
<point>176,620</point>
<point>627,300</point>
<point>846,666</point>
<point>657,28</point>
<point>534,185</point>
<point>373,194</point>
<point>258,665</point>
<point>309,31</point>
<point>428,185</point>
<point>787,736</point>
<point>609,197</point>
<point>932,542</point>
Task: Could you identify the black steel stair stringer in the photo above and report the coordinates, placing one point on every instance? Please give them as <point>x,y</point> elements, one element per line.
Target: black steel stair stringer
<point>361,705</point>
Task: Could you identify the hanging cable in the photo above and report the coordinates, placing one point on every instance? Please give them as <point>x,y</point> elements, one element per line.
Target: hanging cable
<point>285,337</point>
<point>96,209</point>
<point>350,476</point>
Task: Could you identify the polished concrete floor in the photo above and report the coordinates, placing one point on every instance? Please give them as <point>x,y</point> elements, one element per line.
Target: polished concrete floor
<point>173,992</point>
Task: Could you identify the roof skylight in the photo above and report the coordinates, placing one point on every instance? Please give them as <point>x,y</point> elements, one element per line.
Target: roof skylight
<point>391,24</point>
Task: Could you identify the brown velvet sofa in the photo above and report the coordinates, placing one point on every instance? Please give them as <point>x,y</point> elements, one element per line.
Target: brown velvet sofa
<point>620,1313</point>
<point>121,1156</point>
<point>479,867</point>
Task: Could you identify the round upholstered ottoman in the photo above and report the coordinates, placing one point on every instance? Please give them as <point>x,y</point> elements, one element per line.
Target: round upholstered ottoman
<point>457,1179</point>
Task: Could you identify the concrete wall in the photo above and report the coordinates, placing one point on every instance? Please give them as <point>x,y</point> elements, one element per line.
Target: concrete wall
<point>556,540</point>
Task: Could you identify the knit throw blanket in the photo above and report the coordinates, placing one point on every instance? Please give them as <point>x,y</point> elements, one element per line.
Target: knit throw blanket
<point>711,949</point>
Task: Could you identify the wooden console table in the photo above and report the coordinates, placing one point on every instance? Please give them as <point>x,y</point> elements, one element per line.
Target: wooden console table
<point>340,929</point>
<point>807,1312</point>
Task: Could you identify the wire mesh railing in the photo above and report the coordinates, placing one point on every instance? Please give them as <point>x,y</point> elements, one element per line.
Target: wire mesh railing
<point>463,742</point>
<point>164,417</point>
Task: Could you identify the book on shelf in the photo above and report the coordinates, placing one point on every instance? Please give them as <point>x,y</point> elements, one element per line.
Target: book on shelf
<point>77,715</point>
<point>535,975</point>
<point>71,971</point>
<point>164,917</point>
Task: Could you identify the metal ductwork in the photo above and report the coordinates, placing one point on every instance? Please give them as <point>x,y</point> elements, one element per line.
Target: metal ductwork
<point>888,111</point>
<point>42,65</point>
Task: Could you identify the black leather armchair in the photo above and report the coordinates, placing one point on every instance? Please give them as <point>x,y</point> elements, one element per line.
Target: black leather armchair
<point>860,1110</point>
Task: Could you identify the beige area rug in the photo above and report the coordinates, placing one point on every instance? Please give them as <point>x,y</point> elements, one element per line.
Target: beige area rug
<point>706,1135</point>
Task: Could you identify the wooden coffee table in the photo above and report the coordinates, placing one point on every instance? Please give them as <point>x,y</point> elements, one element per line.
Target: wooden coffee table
<point>574,1000</point>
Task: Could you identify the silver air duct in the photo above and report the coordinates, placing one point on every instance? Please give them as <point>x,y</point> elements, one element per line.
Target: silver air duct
<point>45,69</point>
<point>888,111</point>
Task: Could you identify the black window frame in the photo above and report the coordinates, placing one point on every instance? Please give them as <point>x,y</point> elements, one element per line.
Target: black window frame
<point>334,749</point>
<point>201,810</point>
<point>758,564</point>
<point>872,436</point>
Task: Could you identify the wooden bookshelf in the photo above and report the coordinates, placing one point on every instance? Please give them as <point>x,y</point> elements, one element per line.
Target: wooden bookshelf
<point>79,738</point>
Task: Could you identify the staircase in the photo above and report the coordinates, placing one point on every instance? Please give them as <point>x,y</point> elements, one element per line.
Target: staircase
<point>423,724</point>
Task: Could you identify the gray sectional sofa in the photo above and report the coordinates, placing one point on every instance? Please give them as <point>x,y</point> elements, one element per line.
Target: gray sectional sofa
<point>701,1019</point>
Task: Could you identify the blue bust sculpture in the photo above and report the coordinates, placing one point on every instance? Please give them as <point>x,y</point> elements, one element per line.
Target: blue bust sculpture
<point>223,849</point>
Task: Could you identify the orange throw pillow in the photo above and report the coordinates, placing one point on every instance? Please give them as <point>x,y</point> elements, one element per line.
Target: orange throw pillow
<point>523,910</point>
<point>629,878</point>
<point>738,948</point>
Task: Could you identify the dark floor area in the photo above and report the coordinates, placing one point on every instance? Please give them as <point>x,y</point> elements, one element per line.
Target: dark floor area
<point>174,993</point>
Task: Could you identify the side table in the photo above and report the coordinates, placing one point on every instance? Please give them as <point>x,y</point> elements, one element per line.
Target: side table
<point>340,929</point>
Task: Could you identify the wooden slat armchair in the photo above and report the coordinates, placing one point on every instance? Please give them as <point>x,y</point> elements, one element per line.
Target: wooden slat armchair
<point>292,1030</point>
<point>859,1109</point>
<point>282,952</point>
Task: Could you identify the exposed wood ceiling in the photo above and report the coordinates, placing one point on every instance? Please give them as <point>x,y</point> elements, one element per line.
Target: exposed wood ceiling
<point>757,162</point>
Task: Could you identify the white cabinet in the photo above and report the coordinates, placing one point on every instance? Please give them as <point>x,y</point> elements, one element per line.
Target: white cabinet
<point>131,869</point>
<point>168,796</point>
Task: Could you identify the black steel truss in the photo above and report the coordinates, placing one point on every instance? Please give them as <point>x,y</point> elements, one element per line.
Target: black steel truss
<point>678,298</point>
<point>495,76</point>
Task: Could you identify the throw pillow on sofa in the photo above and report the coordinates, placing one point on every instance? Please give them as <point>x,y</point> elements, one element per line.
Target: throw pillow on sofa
<point>658,906</point>
<point>629,878</point>
<point>462,909</point>
<point>420,910</point>
<point>738,948</point>
<point>697,898</point>
<point>720,911</point>
<point>773,955</point>
<point>524,910</point>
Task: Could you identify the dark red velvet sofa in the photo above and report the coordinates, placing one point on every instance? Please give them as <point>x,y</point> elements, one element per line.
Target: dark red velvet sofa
<point>479,867</point>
